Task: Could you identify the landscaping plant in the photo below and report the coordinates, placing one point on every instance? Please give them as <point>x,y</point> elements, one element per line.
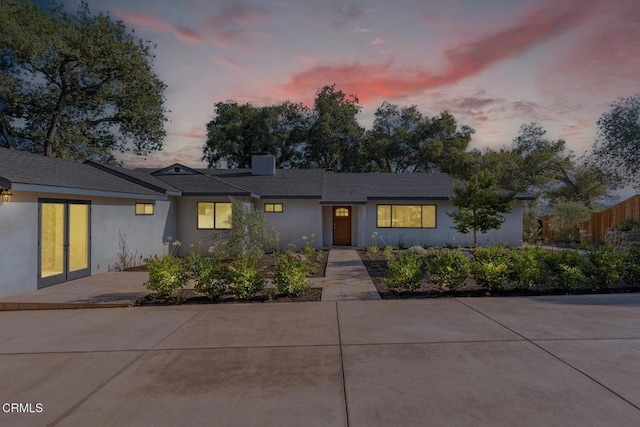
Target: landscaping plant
<point>210,274</point>
<point>244,279</point>
<point>166,274</point>
<point>449,269</point>
<point>631,271</point>
<point>290,275</point>
<point>405,271</point>
<point>564,269</point>
<point>527,268</point>
<point>605,266</point>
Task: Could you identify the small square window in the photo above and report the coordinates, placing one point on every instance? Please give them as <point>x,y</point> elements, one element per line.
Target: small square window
<point>273,207</point>
<point>144,208</point>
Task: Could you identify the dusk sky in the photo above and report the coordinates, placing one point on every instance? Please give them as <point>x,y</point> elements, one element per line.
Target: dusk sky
<point>494,64</point>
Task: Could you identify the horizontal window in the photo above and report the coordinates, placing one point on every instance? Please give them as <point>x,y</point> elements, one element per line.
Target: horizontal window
<point>214,216</point>
<point>144,208</point>
<point>406,216</point>
<point>273,207</point>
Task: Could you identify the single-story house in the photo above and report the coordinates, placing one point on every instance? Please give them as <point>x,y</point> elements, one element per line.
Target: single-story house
<point>61,220</point>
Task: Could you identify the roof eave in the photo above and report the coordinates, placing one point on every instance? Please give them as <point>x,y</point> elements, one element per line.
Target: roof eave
<point>35,188</point>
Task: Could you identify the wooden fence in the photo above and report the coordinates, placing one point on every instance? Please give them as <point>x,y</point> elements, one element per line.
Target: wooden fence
<point>600,221</point>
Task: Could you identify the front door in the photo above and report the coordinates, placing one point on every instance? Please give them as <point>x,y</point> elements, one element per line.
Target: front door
<point>342,225</point>
<point>64,239</point>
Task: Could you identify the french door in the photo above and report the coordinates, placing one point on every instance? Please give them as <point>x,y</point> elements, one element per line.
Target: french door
<point>64,241</point>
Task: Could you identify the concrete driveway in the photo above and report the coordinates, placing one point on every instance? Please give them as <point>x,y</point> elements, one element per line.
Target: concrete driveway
<point>572,360</point>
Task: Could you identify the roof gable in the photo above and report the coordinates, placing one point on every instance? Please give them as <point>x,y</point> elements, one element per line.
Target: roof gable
<point>176,169</point>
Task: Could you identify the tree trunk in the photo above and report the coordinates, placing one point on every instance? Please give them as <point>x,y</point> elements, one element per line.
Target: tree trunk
<point>4,131</point>
<point>53,123</point>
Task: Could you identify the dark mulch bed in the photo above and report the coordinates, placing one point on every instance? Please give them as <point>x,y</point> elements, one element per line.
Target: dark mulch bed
<point>266,264</point>
<point>376,266</point>
<point>188,296</point>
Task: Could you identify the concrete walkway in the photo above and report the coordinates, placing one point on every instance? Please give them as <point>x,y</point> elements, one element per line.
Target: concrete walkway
<point>543,361</point>
<point>345,278</point>
<point>101,290</point>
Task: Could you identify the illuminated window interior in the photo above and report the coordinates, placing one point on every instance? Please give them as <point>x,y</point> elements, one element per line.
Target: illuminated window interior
<point>144,208</point>
<point>342,212</point>
<point>273,207</point>
<point>214,216</point>
<point>406,216</point>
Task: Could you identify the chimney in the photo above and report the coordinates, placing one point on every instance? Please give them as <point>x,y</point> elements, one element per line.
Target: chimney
<point>263,164</point>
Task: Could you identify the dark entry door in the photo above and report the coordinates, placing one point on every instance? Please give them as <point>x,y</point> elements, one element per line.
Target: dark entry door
<point>342,225</point>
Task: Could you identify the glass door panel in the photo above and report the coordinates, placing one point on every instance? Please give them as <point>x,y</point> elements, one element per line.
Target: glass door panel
<point>78,237</point>
<point>52,239</point>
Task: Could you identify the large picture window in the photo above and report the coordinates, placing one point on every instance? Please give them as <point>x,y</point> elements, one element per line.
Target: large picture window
<point>214,216</point>
<point>406,216</point>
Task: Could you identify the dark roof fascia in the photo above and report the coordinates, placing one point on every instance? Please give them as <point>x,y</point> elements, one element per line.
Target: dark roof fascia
<point>211,194</point>
<point>289,197</point>
<point>132,179</point>
<point>406,198</point>
<point>36,188</point>
<point>342,202</point>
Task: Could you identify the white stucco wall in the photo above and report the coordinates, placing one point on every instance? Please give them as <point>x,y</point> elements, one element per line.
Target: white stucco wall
<point>299,218</point>
<point>18,244</point>
<point>109,217</point>
<point>510,233</point>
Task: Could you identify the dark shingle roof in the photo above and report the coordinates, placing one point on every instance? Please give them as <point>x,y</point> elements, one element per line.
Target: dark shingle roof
<point>360,187</point>
<point>298,183</point>
<point>202,184</point>
<point>138,176</point>
<point>17,167</point>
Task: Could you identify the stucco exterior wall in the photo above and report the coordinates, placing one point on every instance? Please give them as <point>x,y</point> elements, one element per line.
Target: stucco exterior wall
<point>510,233</point>
<point>18,244</point>
<point>109,218</point>
<point>299,218</point>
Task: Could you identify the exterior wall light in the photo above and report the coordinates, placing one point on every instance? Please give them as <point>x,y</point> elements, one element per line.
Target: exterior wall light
<point>6,195</point>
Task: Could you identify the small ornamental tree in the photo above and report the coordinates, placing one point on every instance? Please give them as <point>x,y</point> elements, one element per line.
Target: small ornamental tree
<point>480,205</point>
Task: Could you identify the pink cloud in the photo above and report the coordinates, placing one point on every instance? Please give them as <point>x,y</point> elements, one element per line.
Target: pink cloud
<point>152,22</point>
<point>196,132</point>
<point>370,81</point>
<point>376,41</point>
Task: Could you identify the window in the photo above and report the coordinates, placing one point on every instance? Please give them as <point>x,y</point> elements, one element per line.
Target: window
<point>406,216</point>
<point>144,208</point>
<point>273,207</point>
<point>214,216</point>
<point>342,212</point>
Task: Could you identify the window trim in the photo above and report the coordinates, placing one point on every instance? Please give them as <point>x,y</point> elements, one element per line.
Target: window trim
<point>391,205</point>
<point>153,208</point>
<point>213,227</point>
<point>273,207</point>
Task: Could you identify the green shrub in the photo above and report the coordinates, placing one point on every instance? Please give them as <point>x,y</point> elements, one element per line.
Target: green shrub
<point>628,224</point>
<point>565,269</point>
<point>211,275</point>
<point>631,270</point>
<point>493,275</point>
<point>492,253</point>
<point>527,268</point>
<point>290,276</point>
<point>166,274</point>
<point>605,267</point>
<point>372,250</point>
<point>449,269</point>
<point>405,270</point>
<point>388,251</point>
<point>244,279</point>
